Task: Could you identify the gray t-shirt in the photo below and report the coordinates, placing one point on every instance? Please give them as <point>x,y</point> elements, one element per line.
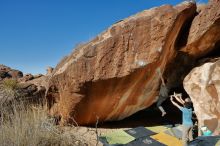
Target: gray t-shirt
<point>163,91</point>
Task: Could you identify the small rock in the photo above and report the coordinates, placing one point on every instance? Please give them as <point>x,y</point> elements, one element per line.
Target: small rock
<point>15,74</point>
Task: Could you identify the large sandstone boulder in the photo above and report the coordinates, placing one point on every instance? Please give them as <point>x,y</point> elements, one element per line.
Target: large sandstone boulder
<point>203,86</point>
<point>204,33</point>
<point>114,75</point>
<point>199,38</point>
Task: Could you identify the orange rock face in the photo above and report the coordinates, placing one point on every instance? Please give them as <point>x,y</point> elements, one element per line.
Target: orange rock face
<point>203,86</point>
<point>204,34</point>
<point>114,75</point>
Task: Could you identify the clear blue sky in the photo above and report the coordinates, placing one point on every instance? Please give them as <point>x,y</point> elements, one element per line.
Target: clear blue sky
<point>35,34</point>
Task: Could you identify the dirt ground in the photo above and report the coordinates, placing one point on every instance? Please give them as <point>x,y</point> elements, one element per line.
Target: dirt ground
<point>89,135</point>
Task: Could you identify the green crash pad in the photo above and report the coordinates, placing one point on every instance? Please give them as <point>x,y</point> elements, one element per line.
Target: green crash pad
<point>119,137</point>
<point>158,129</point>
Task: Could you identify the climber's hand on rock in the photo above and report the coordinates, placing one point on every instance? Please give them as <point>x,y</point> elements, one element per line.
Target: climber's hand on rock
<point>158,71</point>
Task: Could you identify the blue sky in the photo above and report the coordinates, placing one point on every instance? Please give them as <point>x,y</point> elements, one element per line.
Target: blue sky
<point>35,34</point>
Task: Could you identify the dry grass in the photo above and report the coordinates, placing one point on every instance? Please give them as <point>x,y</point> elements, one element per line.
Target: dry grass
<point>8,90</point>
<point>23,124</point>
<point>31,126</point>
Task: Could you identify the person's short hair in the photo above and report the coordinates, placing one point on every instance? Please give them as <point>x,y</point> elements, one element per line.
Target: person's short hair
<point>187,105</point>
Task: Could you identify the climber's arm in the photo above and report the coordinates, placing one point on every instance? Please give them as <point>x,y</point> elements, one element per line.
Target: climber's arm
<point>181,98</point>
<point>178,97</point>
<point>174,103</point>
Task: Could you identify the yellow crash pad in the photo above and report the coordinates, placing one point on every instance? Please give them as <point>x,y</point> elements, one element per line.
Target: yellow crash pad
<point>167,139</point>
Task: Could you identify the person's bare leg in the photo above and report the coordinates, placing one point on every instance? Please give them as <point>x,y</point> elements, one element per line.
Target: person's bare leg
<point>160,100</point>
<point>162,110</point>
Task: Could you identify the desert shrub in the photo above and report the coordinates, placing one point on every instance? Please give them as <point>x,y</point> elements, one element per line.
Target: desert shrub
<point>21,126</point>
<point>23,123</point>
<point>9,84</point>
<point>8,89</point>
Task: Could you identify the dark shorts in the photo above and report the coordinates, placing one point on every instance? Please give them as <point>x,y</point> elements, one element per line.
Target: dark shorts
<point>160,100</point>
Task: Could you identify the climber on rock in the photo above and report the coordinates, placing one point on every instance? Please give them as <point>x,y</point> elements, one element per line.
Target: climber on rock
<point>163,94</point>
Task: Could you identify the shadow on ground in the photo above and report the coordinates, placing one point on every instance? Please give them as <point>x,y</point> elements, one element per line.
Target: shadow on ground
<point>148,117</point>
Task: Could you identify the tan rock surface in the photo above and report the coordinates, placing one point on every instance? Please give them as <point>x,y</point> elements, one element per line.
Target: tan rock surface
<point>203,86</point>
<point>114,75</point>
<point>202,82</point>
